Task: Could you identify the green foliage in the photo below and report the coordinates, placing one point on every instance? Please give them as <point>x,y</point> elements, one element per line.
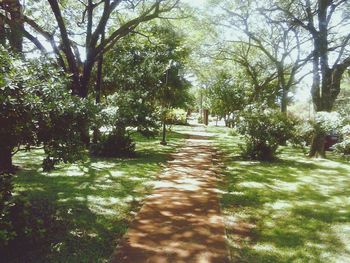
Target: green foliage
<point>327,122</point>
<point>82,209</point>
<point>143,75</point>
<point>129,109</point>
<point>38,110</point>
<point>176,116</point>
<point>264,130</point>
<point>32,223</point>
<point>6,227</point>
<point>343,147</point>
<point>16,104</point>
<point>302,133</point>
<point>232,132</point>
<point>279,205</point>
<point>226,94</point>
<point>115,144</point>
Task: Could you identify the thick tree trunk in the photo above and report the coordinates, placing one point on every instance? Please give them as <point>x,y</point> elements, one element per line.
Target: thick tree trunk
<point>16,34</point>
<point>6,160</point>
<point>330,86</point>
<point>317,146</point>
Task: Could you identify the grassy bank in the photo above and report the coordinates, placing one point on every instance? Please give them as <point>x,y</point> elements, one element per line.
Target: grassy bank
<point>295,209</point>
<point>83,209</point>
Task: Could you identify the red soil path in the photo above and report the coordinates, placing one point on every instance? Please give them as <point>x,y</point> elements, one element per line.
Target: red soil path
<point>180,222</point>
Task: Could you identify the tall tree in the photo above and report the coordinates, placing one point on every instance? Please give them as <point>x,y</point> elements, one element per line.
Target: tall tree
<point>277,40</point>
<point>327,23</point>
<point>95,17</point>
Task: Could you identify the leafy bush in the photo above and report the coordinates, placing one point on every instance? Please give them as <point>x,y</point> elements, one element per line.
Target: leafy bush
<point>126,110</point>
<point>200,119</point>
<point>176,116</point>
<point>233,132</point>
<point>38,109</point>
<point>327,122</point>
<point>23,223</point>
<point>30,224</point>
<point>264,130</point>
<point>116,144</point>
<point>302,133</point>
<point>343,147</point>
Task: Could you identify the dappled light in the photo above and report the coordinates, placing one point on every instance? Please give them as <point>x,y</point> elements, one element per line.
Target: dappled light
<point>292,208</point>
<point>174,131</point>
<point>96,198</point>
<point>180,220</point>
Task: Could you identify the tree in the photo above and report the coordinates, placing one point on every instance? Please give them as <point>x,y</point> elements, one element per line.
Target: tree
<point>278,41</point>
<point>258,71</point>
<point>138,69</point>
<point>326,22</point>
<point>30,115</point>
<point>226,94</point>
<point>90,19</point>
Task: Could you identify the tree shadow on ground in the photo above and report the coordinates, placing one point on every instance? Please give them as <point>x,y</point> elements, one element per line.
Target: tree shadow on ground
<point>90,204</point>
<point>294,209</point>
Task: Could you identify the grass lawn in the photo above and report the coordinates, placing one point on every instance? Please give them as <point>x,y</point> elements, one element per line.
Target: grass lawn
<point>295,209</point>
<point>89,204</point>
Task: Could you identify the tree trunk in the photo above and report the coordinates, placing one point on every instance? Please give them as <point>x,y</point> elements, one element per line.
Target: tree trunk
<point>284,101</point>
<point>98,87</point>
<point>6,160</point>
<point>2,32</point>
<point>16,34</point>
<point>317,146</point>
<point>324,101</point>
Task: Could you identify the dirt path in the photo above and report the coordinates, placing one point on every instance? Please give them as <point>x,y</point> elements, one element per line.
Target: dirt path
<point>180,222</point>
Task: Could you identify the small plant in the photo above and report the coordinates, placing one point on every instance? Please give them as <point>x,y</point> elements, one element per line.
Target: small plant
<point>343,147</point>
<point>116,144</point>
<point>233,132</point>
<point>264,131</point>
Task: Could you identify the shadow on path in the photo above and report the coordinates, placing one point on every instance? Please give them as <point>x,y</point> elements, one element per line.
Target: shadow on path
<point>180,221</point>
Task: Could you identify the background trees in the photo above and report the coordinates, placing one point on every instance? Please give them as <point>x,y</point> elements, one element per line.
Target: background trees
<point>280,44</point>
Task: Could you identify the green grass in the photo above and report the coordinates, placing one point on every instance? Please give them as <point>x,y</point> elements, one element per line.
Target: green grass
<point>295,209</point>
<point>92,201</point>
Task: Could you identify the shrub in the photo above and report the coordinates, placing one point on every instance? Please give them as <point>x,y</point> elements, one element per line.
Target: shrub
<point>302,133</point>
<point>200,119</point>
<point>264,130</point>
<point>38,109</point>
<point>233,132</point>
<point>343,147</point>
<point>116,144</point>
<point>327,122</point>
<point>176,116</point>
<point>30,224</point>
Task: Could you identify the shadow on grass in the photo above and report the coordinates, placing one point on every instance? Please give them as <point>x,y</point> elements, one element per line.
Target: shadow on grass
<point>294,209</point>
<point>91,203</point>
